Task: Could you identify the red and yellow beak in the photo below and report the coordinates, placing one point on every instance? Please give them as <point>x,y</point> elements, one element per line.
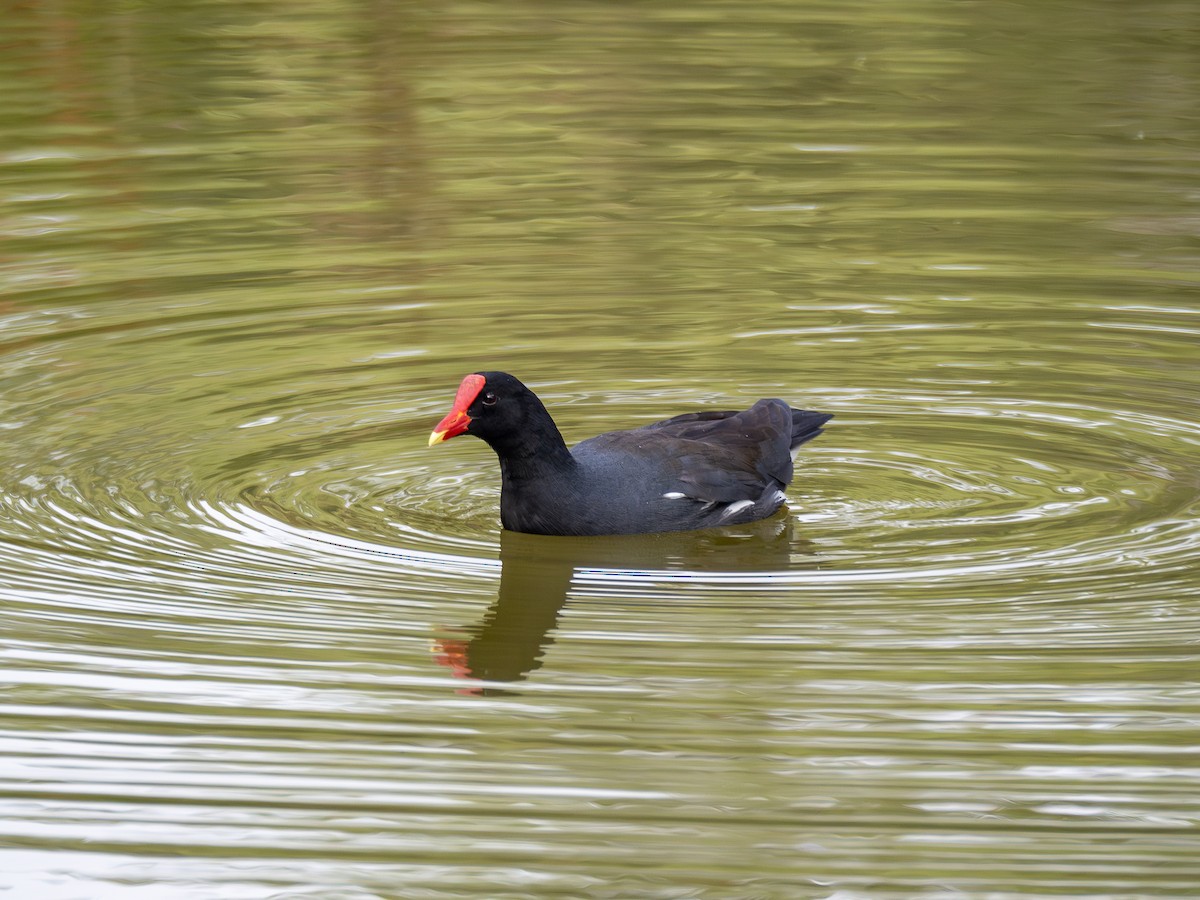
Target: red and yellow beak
<point>457,420</point>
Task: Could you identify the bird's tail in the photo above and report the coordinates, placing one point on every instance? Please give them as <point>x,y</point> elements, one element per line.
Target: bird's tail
<point>806,425</point>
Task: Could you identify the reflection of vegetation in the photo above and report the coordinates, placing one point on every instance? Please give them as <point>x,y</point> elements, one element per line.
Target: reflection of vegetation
<point>631,175</point>
<point>237,148</point>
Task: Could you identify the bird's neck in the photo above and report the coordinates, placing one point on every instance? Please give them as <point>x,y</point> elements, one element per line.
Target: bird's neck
<point>536,451</point>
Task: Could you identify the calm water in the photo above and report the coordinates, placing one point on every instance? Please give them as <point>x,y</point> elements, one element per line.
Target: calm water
<point>259,642</point>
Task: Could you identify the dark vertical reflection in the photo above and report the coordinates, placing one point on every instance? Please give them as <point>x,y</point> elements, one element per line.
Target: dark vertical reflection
<point>535,582</point>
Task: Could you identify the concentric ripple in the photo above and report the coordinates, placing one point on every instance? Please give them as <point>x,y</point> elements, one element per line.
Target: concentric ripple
<point>999,485</point>
<point>260,643</point>
<point>291,631</point>
<point>330,494</point>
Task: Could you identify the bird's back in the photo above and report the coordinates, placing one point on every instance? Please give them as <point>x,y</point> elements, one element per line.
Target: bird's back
<point>696,470</point>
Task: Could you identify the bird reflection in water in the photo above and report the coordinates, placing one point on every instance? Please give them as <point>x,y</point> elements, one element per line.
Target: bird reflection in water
<point>535,582</point>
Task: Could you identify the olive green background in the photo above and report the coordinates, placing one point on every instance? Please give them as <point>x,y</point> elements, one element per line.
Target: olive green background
<point>259,642</point>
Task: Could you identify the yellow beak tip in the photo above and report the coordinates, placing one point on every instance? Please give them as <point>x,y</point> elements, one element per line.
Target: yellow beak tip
<point>437,437</point>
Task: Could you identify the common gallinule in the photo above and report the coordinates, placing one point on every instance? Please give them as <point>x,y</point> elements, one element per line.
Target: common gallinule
<point>697,470</point>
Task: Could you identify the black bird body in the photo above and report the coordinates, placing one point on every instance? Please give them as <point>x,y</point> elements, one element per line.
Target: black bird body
<point>697,470</point>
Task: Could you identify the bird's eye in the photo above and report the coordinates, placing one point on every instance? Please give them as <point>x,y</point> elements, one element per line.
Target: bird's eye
<point>489,399</point>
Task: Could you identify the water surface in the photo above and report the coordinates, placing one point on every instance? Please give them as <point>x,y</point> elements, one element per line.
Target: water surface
<point>259,642</point>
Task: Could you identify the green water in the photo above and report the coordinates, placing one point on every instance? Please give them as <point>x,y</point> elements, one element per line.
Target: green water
<point>259,642</point>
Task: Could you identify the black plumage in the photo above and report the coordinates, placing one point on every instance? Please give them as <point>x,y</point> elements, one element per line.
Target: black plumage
<point>697,470</point>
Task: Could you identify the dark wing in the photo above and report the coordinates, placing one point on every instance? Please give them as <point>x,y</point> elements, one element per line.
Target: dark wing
<point>754,442</point>
<point>660,464</point>
<point>727,457</point>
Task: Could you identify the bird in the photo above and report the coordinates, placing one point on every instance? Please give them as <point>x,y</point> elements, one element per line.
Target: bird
<point>698,470</point>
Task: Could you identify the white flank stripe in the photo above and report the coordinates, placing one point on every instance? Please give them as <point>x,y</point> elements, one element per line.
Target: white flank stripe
<point>734,508</point>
